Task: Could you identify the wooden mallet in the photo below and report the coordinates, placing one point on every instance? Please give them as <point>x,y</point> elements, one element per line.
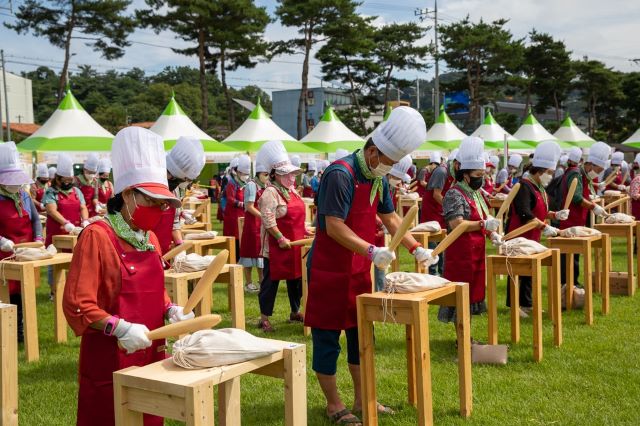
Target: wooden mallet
<point>507,201</point>
<point>570,193</point>
<point>610,178</point>
<point>451,237</point>
<point>303,242</point>
<point>206,281</point>
<point>532,224</point>
<point>203,322</point>
<point>407,222</point>
<point>186,245</point>
<point>33,244</point>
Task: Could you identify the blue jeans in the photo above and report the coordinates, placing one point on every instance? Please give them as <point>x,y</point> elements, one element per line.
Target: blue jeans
<point>438,268</point>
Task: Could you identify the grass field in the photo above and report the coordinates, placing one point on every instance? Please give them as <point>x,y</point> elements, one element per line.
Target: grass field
<point>593,379</point>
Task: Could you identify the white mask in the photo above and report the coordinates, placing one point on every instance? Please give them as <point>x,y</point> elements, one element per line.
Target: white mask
<point>394,181</point>
<point>243,177</point>
<point>545,179</point>
<point>12,189</point>
<point>382,169</point>
<point>592,174</point>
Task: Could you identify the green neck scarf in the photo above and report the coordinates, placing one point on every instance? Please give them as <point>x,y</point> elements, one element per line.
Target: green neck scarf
<point>259,184</point>
<point>377,181</point>
<point>15,197</point>
<point>476,197</point>
<point>452,171</point>
<point>543,191</point>
<point>284,191</point>
<point>83,180</point>
<point>584,172</point>
<point>139,240</point>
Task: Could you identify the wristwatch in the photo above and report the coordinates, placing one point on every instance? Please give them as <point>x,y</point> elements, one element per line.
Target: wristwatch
<point>110,327</point>
<point>370,251</point>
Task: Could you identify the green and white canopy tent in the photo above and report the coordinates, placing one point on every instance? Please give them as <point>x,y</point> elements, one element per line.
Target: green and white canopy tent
<point>331,134</point>
<point>258,128</point>
<point>633,140</point>
<point>493,135</point>
<point>570,134</point>
<point>70,129</point>
<point>174,123</point>
<point>444,135</point>
<point>531,132</point>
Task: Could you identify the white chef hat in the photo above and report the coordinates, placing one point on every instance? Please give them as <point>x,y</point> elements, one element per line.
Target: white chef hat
<point>563,160</point>
<point>494,161</point>
<point>295,160</point>
<point>52,172</point>
<point>261,167</point>
<point>104,166</point>
<point>617,158</point>
<point>471,153</point>
<point>403,132</point>
<point>435,157</point>
<point>91,163</point>
<point>42,171</point>
<point>341,153</point>
<point>637,159</point>
<point>546,155</point>
<point>515,160</point>
<point>400,168</point>
<point>575,154</point>
<point>321,165</point>
<point>139,161</point>
<point>599,154</point>
<point>64,166</point>
<point>244,164</point>
<point>275,157</point>
<point>234,163</point>
<point>311,165</point>
<point>186,158</point>
<point>624,166</point>
<point>11,171</point>
<point>453,155</point>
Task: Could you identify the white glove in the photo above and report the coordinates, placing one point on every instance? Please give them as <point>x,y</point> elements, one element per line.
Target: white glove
<point>622,188</point>
<point>601,185</point>
<point>131,336</point>
<point>188,218</point>
<point>424,257</point>
<point>68,227</point>
<point>562,214</point>
<point>491,223</point>
<point>382,257</point>
<point>550,231</point>
<point>176,314</point>
<point>599,211</point>
<point>6,244</point>
<point>85,223</point>
<point>496,239</point>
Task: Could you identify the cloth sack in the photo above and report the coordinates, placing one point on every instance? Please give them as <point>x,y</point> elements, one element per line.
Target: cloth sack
<point>191,262</point>
<point>431,226</point>
<point>578,297</point>
<point>76,231</point>
<point>213,348</point>
<point>308,200</point>
<point>612,193</point>
<point>521,246</point>
<point>412,282</point>
<point>24,254</point>
<point>201,235</point>
<point>410,196</point>
<point>579,231</point>
<point>500,196</point>
<point>619,218</point>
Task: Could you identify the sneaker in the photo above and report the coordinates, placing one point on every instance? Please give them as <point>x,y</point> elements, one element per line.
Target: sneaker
<point>265,326</point>
<point>297,317</point>
<point>51,296</point>
<point>524,312</point>
<point>251,288</point>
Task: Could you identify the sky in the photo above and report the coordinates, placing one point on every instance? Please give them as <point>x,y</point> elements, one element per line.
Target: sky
<point>602,30</point>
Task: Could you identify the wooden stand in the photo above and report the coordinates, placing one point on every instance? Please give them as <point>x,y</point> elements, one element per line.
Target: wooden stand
<point>631,233</point>
<point>9,364</point>
<point>166,390</point>
<point>309,212</point>
<point>585,247</point>
<point>24,272</point>
<point>405,203</point>
<point>65,242</point>
<point>622,203</point>
<point>423,238</point>
<point>205,216</point>
<point>202,247</point>
<point>530,266</point>
<point>412,310</point>
<point>177,285</point>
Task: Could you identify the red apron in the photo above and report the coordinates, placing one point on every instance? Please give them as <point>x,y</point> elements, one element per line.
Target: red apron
<point>141,300</point>
<point>421,190</point>
<point>287,264</point>
<point>577,213</point>
<point>250,246</point>
<point>488,185</point>
<point>231,212</point>
<point>164,229</point>
<point>431,209</point>
<point>307,192</point>
<point>338,275</point>
<point>69,208</point>
<point>616,181</point>
<point>16,228</point>
<point>88,191</point>
<point>105,194</point>
<point>39,191</point>
<point>539,211</point>
<point>464,259</point>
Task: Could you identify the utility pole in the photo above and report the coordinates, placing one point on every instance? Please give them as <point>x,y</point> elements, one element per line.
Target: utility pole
<point>433,14</point>
<point>6,100</point>
<point>418,93</point>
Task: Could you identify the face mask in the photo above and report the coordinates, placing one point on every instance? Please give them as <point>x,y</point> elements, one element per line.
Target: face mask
<point>103,180</point>
<point>475,183</point>
<point>144,217</point>
<point>545,179</point>
<point>636,167</point>
<point>513,171</point>
<point>592,174</point>
<point>394,181</point>
<point>173,183</point>
<point>12,189</point>
<point>90,176</point>
<point>243,177</point>
<point>43,181</point>
<point>66,186</point>
<point>288,180</point>
<point>382,169</point>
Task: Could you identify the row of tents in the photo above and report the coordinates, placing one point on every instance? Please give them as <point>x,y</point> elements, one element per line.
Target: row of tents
<point>72,130</point>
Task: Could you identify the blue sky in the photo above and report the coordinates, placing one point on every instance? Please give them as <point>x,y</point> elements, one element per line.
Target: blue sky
<point>606,31</point>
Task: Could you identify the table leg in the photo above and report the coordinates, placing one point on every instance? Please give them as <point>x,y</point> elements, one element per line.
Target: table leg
<point>513,287</point>
<point>123,415</point>
<point>229,402</point>
<point>199,405</point>
<point>36,277</point>
<point>9,364</point>
<point>554,284</point>
<point>367,368</point>
<point>569,280</point>
<point>180,291</point>
<point>492,300</point>
<point>231,246</point>
<point>606,254</point>
<point>588,288</point>
<point>4,291</point>
<point>60,322</point>
<point>295,386</point>
<point>464,349</point>
<point>629,261</point>
<point>411,364</point>
<point>423,363</point>
<point>596,283</point>
<point>236,298</point>
<point>536,288</point>
<point>29,314</point>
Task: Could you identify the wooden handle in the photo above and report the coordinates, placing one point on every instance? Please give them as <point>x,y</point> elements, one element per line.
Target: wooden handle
<point>199,210</point>
<point>33,244</point>
<point>183,327</point>
<point>451,237</point>
<point>413,184</point>
<point>611,178</point>
<point>407,222</point>
<point>570,193</point>
<point>186,245</point>
<point>206,281</point>
<point>625,177</point>
<point>616,203</point>
<point>303,242</point>
<point>507,201</point>
<point>533,223</point>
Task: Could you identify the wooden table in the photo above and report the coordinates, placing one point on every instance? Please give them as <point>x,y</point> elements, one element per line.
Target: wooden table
<point>623,203</point>
<point>166,390</point>
<point>8,365</point>
<point>205,216</point>
<point>585,246</point>
<point>423,238</point>
<point>412,310</point>
<point>309,211</point>
<point>202,247</point>
<point>530,266</point>
<point>25,273</point>
<point>631,233</point>
<point>65,242</point>
<point>405,202</point>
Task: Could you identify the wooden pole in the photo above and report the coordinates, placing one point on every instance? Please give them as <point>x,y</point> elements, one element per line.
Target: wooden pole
<point>9,363</point>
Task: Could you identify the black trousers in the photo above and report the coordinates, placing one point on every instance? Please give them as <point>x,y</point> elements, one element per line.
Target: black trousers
<point>525,293</point>
<point>563,268</point>
<point>269,290</point>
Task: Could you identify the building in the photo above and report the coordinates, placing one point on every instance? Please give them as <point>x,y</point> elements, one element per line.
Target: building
<point>20,99</point>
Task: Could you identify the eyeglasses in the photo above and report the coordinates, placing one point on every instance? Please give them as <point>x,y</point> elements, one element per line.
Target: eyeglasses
<point>152,201</point>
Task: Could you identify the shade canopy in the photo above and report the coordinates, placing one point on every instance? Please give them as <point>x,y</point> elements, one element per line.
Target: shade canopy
<point>493,135</point>
<point>331,134</point>
<point>633,140</point>
<point>571,134</point>
<point>532,132</point>
<point>443,135</point>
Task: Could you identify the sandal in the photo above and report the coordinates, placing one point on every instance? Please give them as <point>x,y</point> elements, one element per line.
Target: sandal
<point>382,409</point>
<point>265,326</point>
<point>344,417</point>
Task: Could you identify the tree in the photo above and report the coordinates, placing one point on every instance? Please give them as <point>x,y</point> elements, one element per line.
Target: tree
<point>102,24</point>
<point>597,84</point>
<point>311,18</point>
<point>631,89</point>
<point>485,52</point>
<point>396,49</point>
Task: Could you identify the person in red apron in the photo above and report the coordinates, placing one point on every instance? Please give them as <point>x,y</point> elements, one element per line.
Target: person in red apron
<point>464,260</point>
<point>307,189</point>
<point>353,191</point>
<point>104,185</point>
<point>581,202</point>
<point>506,177</point>
<point>40,186</point>
<point>19,219</point>
<point>635,167</point>
<point>616,167</point>
<point>114,293</point>
<point>87,183</point>
<point>489,186</point>
<point>283,220</point>
<point>185,162</point>
<point>251,244</point>
<point>531,203</point>
<point>398,179</point>
<point>234,191</point>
